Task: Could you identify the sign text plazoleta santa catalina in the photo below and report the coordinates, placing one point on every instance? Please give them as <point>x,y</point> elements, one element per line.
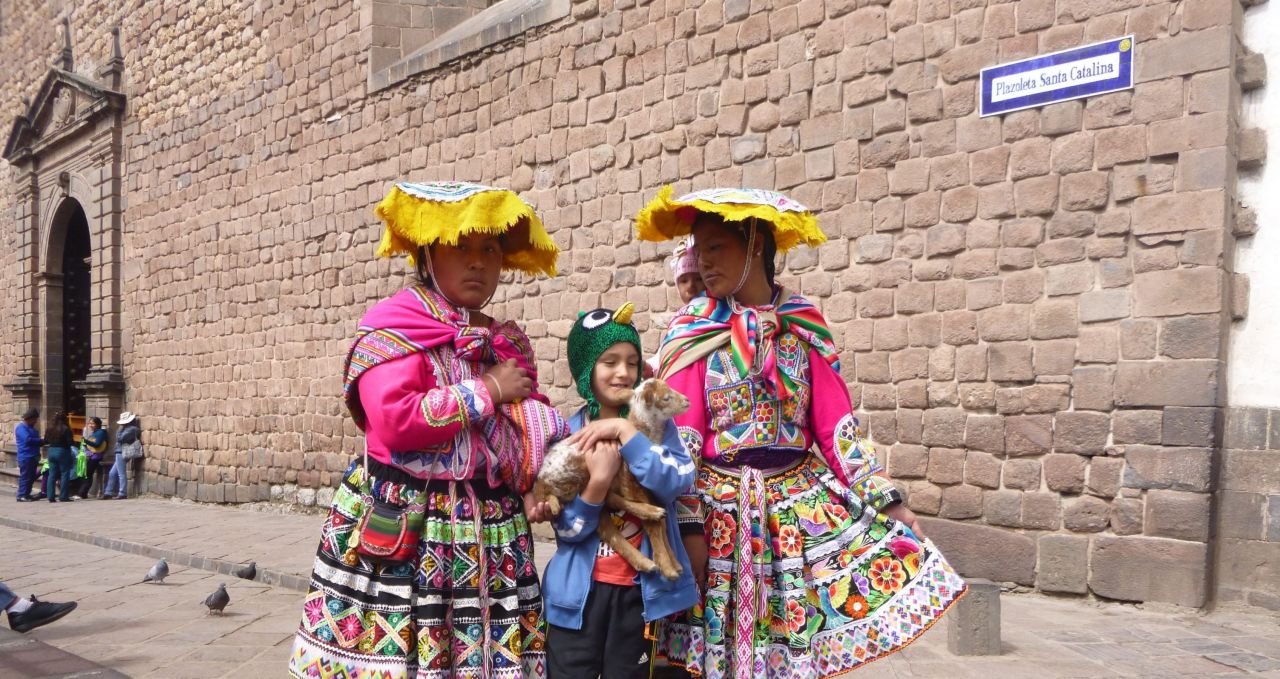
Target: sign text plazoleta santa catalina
<point>1070,74</point>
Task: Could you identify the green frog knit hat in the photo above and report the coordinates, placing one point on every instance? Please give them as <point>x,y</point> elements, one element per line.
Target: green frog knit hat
<point>592,335</point>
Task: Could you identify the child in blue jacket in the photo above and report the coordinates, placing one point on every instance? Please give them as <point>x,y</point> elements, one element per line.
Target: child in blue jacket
<point>597,605</point>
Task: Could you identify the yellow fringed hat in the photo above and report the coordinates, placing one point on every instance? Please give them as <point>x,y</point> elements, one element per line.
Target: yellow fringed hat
<point>441,212</point>
<point>792,223</point>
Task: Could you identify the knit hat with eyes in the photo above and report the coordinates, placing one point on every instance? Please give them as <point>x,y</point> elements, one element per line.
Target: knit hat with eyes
<point>592,335</point>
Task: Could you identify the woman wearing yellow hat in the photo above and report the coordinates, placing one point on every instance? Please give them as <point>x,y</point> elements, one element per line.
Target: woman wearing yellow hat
<point>812,564</point>
<point>425,565</point>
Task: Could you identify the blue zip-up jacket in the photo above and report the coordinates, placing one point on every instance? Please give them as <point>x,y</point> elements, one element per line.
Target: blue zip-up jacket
<point>29,441</point>
<point>666,471</point>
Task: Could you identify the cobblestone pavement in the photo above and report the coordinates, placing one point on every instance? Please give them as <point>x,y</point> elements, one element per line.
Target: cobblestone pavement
<point>96,552</point>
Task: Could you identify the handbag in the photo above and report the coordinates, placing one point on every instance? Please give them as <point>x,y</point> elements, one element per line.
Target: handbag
<point>388,533</point>
<point>131,451</point>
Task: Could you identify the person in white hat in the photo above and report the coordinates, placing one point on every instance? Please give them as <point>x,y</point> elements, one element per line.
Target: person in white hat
<point>129,433</point>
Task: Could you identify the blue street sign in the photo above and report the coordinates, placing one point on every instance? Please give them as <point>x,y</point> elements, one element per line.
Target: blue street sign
<point>1049,78</point>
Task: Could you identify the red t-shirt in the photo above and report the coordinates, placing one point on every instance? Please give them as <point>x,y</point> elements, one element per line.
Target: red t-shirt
<point>610,566</point>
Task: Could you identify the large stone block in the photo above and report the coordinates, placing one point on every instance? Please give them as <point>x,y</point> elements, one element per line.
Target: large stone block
<point>973,625</point>
<point>944,427</point>
<point>1065,473</point>
<point>961,502</point>
<point>1041,511</point>
<point>1190,426</point>
<point>1192,337</point>
<point>1085,514</point>
<point>1251,471</point>
<point>1149,569</point>
<point>1137,426</point>
<point>1126,516</point>
<point>1188,52</point>
<point>1247,564</point>
<point>1177,292</point>
<point>1242,515</point>
<point>1177,514</point>
<point>946,465</point>
<point>1178,212</point>
<point>979,551</point>
<point>1169,468</point>
<point>1063,564</point>
<point>1081,432</point>
<point>1167,383</point>
<point>1245,428</point>
<point>1028,434</point>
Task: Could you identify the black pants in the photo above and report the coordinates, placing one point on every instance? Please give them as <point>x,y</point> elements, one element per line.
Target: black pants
<point>92,468</point>
<point>611,643</point>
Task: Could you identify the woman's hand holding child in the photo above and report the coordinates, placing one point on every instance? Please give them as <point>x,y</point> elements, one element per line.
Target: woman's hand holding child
<point>508,382</point>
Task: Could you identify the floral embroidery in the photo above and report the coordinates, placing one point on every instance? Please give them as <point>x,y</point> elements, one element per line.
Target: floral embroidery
<point>795,616</point>
<point>789,541</point>
<point>720,536</point>
<point>887,575</point>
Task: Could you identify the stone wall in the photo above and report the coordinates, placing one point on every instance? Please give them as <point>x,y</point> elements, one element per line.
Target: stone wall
<point>1248,520</point>
<point>1030,308</point>
<point>398,27</point>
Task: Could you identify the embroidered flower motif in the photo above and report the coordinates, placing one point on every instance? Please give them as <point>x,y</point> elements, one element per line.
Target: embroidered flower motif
<point>715,629</point>
<point>836,513</point>
<point>789,541</point>
<point>855,607</point>
<point>863,585</point>
<point>912,563</point>
<point>314,610</point>
<point>795,616</point>
<point>886,575</point>
<point>351,626</point>
<point>720,540</point>
<point>901,547</point>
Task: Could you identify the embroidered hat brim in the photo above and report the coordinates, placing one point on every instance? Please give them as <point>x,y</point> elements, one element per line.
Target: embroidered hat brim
<point>792,224</point>
<point>442,212</point>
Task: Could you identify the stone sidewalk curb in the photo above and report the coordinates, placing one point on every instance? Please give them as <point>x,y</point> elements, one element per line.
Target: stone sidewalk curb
<point>30,657</point>
<point>265,575</point>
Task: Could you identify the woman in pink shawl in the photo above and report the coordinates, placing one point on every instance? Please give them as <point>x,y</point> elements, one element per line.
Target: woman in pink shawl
<point>425,566</point>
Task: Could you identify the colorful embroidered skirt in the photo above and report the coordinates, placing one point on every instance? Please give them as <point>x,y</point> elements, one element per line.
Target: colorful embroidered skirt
<point>804,580</point>
<point>453,614</point>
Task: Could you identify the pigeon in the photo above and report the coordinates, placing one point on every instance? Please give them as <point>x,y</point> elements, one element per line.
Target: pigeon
<point>158,572</point>
<point>248,572</point>
<point>218,600</point>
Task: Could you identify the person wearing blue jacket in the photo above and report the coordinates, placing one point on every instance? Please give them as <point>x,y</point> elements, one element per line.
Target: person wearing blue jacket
<point>29,443</point>
<point>597,605</point>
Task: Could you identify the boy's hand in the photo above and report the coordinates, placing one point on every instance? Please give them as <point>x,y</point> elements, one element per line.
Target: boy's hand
<point>603,461</point>
<point>507,382</point>
<point>536,511</point>
<point>615,428</point>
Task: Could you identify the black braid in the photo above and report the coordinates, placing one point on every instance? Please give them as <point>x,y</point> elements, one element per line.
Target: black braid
<point>420,263</point>
<point>769,251</point>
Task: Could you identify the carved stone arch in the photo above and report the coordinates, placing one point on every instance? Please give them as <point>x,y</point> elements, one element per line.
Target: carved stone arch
<point>65,153</point>
<point>53,221</point>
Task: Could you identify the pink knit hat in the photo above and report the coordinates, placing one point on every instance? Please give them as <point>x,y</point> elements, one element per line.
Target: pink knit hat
<point>684,259</point>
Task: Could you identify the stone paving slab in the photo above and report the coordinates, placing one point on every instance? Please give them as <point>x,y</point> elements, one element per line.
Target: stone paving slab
<point>139,630</point>
<point>1042,636</point>
<point>24,656</point>
<point>213,538</point>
